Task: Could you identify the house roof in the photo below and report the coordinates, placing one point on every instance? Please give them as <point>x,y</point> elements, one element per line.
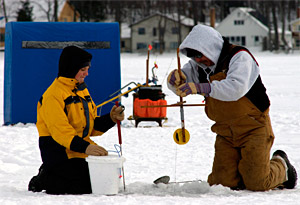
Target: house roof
<point>173,17</point>
<point>257,15</point>
<point>249,12</point>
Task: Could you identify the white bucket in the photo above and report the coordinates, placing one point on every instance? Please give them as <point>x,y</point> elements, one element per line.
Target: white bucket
<point>105,172</point>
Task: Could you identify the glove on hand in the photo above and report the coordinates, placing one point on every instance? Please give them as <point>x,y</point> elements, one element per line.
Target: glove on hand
<point>193,88</point>
<point>95,150</point>
<point>175,79</point>
<point>116,113</point>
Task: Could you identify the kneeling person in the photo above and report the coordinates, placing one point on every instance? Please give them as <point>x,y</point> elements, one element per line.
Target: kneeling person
<point>66,118</point>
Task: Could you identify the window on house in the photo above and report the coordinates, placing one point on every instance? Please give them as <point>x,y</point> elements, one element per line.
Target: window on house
<point>122,44</point>
<point>175,30</point>
<point>141,46</point>
<point>238,22</point>
<point>156,45</point>
<point>174,45</point>
<point>256,38</point>
<point>239,40</point>
<point>243,41</point>
<point>297,43</point>
<point>154,32</point>
<point>141,31</point>
<point>299,28</point>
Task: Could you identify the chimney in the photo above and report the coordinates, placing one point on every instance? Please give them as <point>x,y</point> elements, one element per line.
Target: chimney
<point>212,17</point>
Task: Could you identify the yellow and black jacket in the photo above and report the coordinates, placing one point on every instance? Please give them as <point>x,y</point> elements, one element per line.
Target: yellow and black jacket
<point>66,118</point>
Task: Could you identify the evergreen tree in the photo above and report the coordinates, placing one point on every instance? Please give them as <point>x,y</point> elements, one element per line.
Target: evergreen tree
<point>25,13</point>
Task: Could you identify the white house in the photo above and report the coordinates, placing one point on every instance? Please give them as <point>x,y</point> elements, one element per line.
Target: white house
<point>241,28</point>
<point>146,31</point>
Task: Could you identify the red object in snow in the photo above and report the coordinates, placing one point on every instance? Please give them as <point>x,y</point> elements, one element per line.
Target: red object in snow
<point>119,126</point>
<point>150,112</point>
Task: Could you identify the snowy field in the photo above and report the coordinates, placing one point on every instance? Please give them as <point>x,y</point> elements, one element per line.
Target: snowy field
<point>150,151</point>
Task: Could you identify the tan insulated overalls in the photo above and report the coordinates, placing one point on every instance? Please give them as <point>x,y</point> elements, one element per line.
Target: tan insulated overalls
<point>242,147</point>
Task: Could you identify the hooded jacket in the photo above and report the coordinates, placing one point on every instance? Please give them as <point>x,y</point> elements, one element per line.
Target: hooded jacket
<point>67,115</point>
<point>242,73</point>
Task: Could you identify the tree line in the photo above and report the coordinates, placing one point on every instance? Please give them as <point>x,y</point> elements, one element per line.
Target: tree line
<point>276,14</point>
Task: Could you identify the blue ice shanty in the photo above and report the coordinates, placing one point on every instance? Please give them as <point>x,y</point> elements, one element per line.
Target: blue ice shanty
<point>32,51</point>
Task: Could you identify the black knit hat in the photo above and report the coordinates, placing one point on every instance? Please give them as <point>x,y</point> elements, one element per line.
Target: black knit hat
<point>71,60</point>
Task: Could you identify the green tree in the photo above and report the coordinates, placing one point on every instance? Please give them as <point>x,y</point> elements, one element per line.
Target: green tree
<point>25,12</point>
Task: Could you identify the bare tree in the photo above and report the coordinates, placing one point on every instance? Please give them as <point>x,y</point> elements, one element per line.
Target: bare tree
<point>55,13</point>
<point>179,4</point>
<point>268,42</point>
<point>4,10</point>
<point>275,26</point>
<point>195,8</point>
<point>49,7</point>
<point>162,24</point>
<point>161,33</point>
<point>283,17</point>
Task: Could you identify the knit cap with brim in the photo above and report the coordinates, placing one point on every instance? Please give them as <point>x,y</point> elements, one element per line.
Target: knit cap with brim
<point>71,60</point>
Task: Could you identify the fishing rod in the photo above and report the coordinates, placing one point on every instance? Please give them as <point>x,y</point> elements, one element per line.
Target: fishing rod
<point>120,143</point>
<point>138,85</point>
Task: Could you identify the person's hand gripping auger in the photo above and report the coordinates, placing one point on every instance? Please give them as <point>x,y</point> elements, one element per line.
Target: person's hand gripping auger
<point>181,136</point>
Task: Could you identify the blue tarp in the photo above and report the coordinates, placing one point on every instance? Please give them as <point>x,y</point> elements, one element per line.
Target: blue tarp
<point>32,51</point>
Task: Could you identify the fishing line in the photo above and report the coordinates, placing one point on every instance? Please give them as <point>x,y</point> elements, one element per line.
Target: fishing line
<point>175,168</point>
<point>167,70</point>
<point>118,149</point>
<point>100,108</point>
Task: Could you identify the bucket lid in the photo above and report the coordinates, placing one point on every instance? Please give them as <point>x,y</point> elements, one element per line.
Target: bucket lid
<point>105,159</point>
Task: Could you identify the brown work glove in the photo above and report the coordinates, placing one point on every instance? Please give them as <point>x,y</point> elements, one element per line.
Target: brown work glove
<point>175,79</point>
<point>96,150</point>
<point>116,113</point>
<point>193,88</point>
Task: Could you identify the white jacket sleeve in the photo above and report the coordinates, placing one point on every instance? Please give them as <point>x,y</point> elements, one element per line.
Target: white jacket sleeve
<point>190,70</point>
<point>242,74</point>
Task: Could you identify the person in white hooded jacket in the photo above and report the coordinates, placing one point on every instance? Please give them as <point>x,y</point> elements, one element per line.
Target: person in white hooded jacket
<point>236,100</point>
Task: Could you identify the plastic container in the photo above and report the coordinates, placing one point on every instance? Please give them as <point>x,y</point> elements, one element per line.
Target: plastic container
<point>105,173</point>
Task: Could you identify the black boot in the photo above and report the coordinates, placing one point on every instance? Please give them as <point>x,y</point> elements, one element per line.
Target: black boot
<point>37,182</point>
<point>291,171</point>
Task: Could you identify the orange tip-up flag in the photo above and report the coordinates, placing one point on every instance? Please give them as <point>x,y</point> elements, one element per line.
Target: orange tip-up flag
<point>149,47</point>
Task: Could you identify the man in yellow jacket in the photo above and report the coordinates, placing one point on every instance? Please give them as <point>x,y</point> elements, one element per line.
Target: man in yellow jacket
<point>66,118</point>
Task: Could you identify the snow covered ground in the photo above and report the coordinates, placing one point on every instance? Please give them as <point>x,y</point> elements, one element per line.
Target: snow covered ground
<point>150,151</point>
